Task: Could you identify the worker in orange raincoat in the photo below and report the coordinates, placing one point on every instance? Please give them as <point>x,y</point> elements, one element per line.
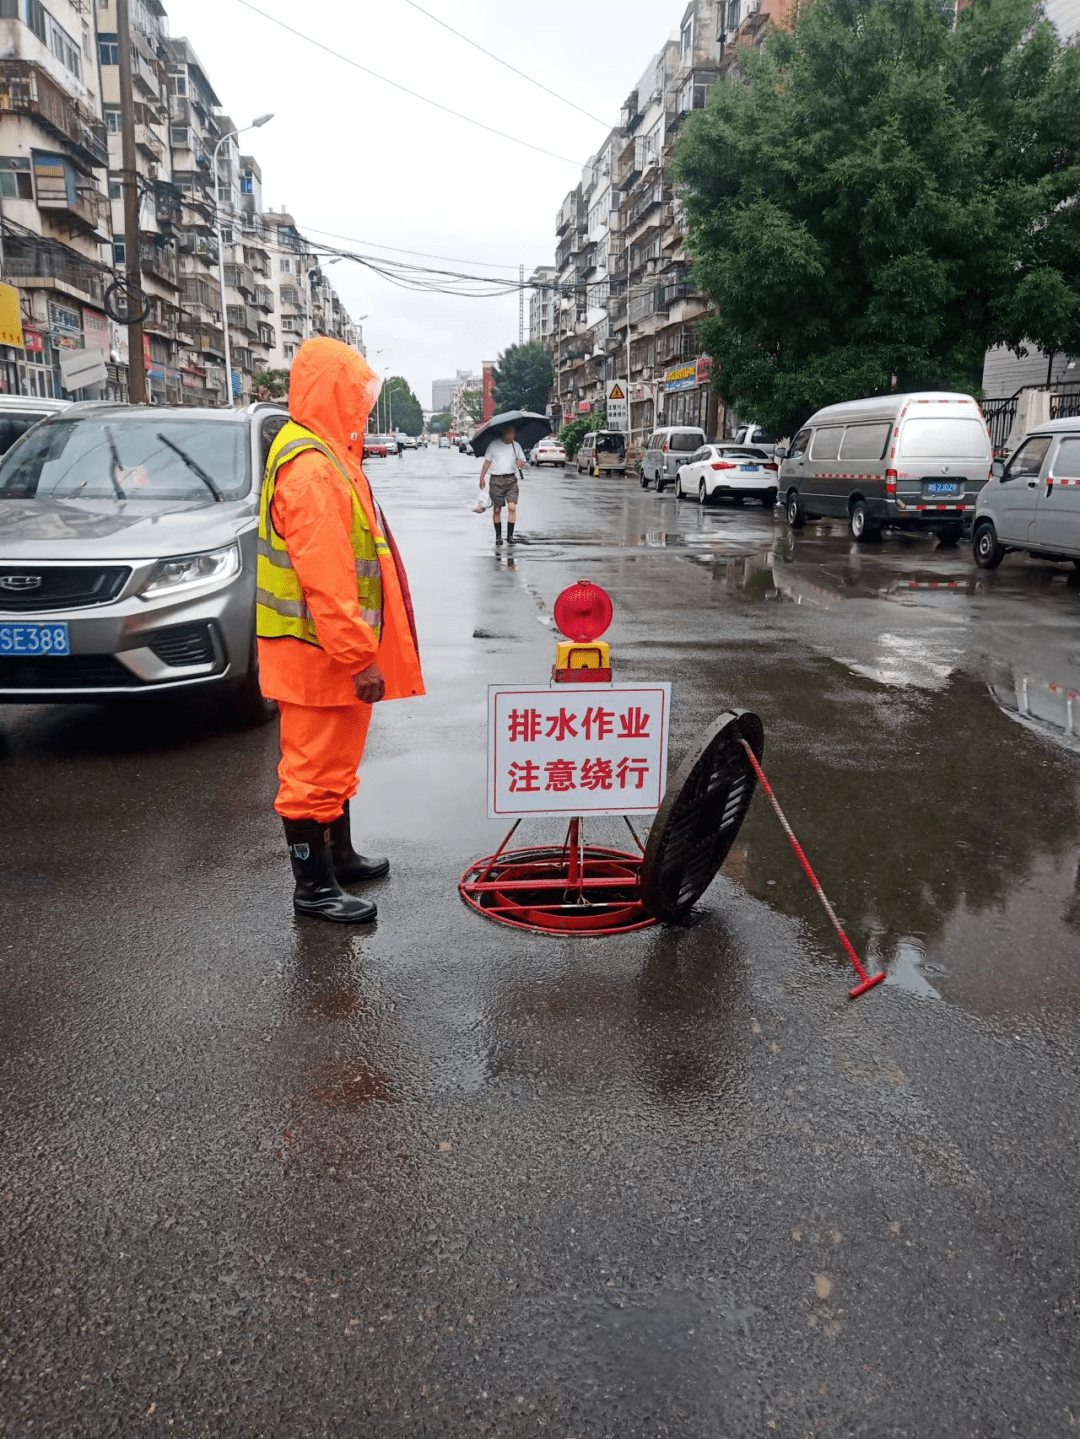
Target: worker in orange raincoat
<point>334,621</point>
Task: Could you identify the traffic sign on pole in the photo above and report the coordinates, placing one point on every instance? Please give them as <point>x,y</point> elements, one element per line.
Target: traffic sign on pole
<point>618,406</point>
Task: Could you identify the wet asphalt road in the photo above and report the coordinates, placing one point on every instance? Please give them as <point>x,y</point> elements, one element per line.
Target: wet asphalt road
<point>263,1177</point>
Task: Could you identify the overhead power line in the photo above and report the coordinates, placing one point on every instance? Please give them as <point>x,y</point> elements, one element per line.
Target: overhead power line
<point>400,250</point>
<point>500,61</point>
<point>416,95</point>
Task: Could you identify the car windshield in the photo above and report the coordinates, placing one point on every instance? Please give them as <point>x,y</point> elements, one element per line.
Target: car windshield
<point>686,440</point>
<point>127,458</point>
<point>12,426</point>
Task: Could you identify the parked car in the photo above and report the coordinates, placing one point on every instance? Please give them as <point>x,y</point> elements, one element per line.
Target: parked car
<point>730,472</point>
<point>665,450</point>
<point>910,462</point>
<point>375,445</point>
<point>1032,502</point>
<point>605,449</point>
<point>444,443</point>
<point>548,452</point>
<point>128,555</point>
<point>19,412</point>
<point>409,442</point>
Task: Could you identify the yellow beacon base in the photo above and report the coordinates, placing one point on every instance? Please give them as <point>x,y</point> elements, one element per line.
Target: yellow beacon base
<point>582,664</point>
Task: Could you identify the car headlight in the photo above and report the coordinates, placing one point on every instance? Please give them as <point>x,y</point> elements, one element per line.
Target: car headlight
<point>190,572</point>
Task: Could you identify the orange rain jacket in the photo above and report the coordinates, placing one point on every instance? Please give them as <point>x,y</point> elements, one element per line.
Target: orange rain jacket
<point>331,392</point>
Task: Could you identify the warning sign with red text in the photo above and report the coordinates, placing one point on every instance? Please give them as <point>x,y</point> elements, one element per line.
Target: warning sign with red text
<point>577,749</point>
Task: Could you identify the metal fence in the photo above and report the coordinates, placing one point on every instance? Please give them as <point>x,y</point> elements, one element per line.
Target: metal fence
<point>1000,414</point>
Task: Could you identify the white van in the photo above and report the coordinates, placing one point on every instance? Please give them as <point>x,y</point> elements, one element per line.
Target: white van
<point>1032,503</point>
<point>909,462</point>
<point>666,450</point>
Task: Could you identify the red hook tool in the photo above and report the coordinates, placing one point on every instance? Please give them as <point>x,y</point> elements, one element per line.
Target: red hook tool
<point>868,982</point>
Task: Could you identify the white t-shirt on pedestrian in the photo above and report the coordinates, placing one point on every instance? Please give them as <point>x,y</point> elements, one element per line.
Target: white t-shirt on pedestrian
<point>504,457</point>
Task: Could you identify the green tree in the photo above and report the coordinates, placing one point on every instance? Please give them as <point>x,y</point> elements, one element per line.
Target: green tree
<point>472,402</point>
<point>572,434</point>
<point>440,424</point>
<point>523,376</point>
<point>272,384</point>
<point>398,407</point>
<point>886,196</point>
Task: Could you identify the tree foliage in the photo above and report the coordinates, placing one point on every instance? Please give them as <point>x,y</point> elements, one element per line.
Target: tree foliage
<point>399,409</point>
<point>887,196</point>
<point>572,434</point>
<point>472,402</point>
<point>440,424</point>
<point>272,384</point>
<point>523,375</point>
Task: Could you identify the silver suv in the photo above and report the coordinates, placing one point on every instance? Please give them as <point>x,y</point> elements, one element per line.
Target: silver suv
<point>128,553</point>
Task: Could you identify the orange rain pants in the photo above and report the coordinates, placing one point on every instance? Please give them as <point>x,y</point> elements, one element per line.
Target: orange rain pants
<point>321,750</point>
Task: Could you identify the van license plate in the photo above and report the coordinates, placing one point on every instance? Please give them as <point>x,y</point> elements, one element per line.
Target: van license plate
<point>943,487</point>
<point>34,639</point>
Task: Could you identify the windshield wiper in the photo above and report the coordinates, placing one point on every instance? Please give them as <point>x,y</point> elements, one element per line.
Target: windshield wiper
<point>194,467</point>
<point>116,465</point>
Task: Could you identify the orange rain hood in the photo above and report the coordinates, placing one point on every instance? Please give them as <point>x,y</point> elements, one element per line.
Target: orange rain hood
<point>332,391</point>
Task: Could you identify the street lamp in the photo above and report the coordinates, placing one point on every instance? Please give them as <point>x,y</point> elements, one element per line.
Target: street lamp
<point>261,120</point>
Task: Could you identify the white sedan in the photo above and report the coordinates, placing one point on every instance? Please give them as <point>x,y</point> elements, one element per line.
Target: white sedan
<point>728,471</point>
<point>548,452</point>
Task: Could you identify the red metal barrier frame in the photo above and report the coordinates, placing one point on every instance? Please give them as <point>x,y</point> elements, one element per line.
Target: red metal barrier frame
<point>559,889</point>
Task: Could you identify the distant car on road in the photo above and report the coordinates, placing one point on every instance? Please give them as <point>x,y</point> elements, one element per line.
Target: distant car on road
<point>727,471</point>
<point>604,450</point>
<point>548,452</point>
<point>375,445</point>
<point>1032,503</point>
<point>408,442</point>
<point>128,555</point>
<point>444,443</point>
<point>19,412</point>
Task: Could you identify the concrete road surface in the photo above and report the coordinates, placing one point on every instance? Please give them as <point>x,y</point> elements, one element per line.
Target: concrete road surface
<point>266,1177</point>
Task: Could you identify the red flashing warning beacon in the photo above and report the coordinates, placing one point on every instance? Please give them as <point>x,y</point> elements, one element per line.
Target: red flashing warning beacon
<point>582,613</point>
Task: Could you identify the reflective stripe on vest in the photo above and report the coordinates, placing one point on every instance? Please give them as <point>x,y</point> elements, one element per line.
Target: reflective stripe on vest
<point>280,608</point>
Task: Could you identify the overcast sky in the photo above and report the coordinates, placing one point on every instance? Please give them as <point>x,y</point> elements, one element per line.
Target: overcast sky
<point>349,154</point>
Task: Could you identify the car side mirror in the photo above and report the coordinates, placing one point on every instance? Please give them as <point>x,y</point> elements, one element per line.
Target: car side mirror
<point>997,469</point>
<point>779,453</point>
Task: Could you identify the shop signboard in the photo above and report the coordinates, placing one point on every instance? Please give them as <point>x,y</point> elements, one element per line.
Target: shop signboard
<point>704,371</point>
<point>11,330</point>
<point>96,330</point>
<point>681,377</point>
<point>33,342</point>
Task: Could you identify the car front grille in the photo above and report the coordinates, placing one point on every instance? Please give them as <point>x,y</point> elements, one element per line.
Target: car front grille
<point>26,588</point>
<point>184,645</point>
<point>65,672</point>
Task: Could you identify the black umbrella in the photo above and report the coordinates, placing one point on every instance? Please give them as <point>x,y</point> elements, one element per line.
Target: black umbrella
<point>528,428</point>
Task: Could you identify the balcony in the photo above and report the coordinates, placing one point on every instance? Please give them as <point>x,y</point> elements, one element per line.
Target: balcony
<point>267,336</point>
<point>200,246</point>
<point>243,317</point>
<point>168,204</point>
<point>240,277</point>
<point>62,191</point>
<point>163,320</point>
<point>149,143</point>
<point>26,89</point>
<point>30,259</point>
<point>675,291</point>
<point>264,299</point>
<point>160,261</point>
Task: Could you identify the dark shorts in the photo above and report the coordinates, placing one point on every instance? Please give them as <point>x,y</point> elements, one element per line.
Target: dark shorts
<point>504,490</point>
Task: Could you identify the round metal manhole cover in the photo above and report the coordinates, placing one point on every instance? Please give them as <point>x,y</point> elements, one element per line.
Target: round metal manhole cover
<point>701,814</point>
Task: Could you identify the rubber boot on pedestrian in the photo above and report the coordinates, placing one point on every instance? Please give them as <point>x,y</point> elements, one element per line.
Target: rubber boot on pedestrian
<point>350,867</point>
<point>318,894</point>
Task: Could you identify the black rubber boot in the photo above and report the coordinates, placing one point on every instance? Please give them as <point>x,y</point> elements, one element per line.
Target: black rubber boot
<point>510,532</point>
<point>498,532</point>
<point>317,892</point>
<point>350,867</point>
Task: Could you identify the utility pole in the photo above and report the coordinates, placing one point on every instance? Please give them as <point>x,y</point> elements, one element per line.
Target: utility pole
<point>129,179</point>
<point>521,304</point>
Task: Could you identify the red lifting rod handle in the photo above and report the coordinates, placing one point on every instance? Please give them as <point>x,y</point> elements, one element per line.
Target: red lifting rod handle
<point>867,982</point>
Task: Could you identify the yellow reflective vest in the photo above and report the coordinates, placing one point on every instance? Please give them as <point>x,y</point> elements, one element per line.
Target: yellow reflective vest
<point>280,607</point>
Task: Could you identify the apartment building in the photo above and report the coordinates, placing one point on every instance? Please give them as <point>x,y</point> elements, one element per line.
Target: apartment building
<point>54,157</point>
<point>542,305</point>
<point>61,210</point>
<point>627,306</point>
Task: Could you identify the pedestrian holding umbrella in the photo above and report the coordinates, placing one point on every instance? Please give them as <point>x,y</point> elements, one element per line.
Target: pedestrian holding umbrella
<point>505,459</point>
